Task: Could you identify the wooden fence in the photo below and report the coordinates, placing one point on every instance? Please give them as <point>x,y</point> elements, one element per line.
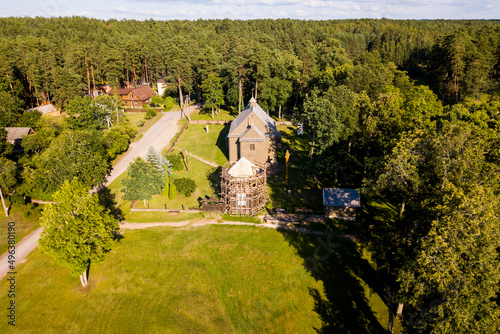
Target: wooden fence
<point>178,137</point>
<point>209,121</point>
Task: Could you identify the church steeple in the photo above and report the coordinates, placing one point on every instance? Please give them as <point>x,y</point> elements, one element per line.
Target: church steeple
<point>252,102</point>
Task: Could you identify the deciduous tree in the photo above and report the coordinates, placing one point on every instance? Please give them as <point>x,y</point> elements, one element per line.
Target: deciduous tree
<point>142,181</point>
<point>78,230</point>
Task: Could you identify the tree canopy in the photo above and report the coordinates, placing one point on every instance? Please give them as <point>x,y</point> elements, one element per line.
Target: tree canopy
<point>78,230</point>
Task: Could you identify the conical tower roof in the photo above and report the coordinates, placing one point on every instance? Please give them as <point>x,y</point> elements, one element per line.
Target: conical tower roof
<point>242,168</point>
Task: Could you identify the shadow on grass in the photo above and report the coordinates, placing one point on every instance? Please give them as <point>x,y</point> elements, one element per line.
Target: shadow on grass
<point>221,140</point>
<point>338,263</point>
<point>214,179</point>
<point>108,200</point>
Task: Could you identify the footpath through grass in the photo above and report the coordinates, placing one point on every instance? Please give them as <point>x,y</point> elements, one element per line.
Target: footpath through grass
<point>215,279</point>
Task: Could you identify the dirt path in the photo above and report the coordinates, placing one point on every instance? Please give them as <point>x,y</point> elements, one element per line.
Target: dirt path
<point>204,222</point>
<point>159,136</point>
<point>23,248</point>
<point>210,163</point>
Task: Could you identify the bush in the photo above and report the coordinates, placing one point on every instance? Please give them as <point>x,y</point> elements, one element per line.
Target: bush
<point>17,198</point>
<point>176,161</point>
<point>169,103</point>
<point>165,191</point>
<point>117,140</point>
<point>185,186</point>
<point>172,191</point>
<point>150,113</point>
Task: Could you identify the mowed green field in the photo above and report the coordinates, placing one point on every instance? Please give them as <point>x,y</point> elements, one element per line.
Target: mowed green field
<point>213,279</point>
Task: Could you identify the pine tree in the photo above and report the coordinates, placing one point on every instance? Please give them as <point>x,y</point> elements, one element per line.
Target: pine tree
<point>159,162</point>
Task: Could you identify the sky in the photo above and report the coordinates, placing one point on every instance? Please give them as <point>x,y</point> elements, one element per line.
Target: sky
<point>254,9</point>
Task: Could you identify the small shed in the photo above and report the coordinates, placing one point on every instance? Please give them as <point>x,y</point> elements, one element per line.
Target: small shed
<point>47,110</point>
<point>341,203</point>
<point>16,134</point>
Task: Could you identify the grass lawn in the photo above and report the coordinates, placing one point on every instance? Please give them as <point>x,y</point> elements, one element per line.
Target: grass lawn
<point>200,173</point>
<point>207,280</point>
<point>207,115</point>
<point>209,146</point>
<point>207,179</point>
<point>135,118</point>
<point>23,225</point>
<point>300,190</point>
<point>212,279</point>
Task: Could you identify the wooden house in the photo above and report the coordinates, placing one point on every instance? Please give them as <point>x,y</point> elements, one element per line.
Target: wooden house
<point>341,203</point>
<point>15,134</point>
<point>135,97</point>
<point>253,135</point>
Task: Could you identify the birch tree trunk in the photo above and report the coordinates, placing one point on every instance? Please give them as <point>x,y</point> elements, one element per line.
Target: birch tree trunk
<point>3,202</point>
<point>83,278</point>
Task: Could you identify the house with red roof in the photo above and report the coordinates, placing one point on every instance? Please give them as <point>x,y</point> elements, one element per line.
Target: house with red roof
<point>135,97</point>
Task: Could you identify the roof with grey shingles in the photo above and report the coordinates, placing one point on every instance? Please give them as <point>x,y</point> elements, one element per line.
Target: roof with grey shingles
<point>341,197</point>
<point>252,133</point>
<point>46,109</point>
<point>16,133</point>
<point>260,113</point>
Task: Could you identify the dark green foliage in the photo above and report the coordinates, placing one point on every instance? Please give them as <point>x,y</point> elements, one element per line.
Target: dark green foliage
<point>30,119</point>
<point>17,198</point>
<point>142,181</point>
<point>117,139</point>
<point>172,191</point>
<point>150,113</point>
<point>8,171</point>
<point>87,113</point>
<point>176,161</point>
<point>79,154</point>
<point>5,146</point>
<point>185,186</point>
<point>10,109</point>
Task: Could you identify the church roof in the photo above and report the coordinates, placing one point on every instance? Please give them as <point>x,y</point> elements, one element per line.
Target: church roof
<point>252,133</point>
<point>257,111</point>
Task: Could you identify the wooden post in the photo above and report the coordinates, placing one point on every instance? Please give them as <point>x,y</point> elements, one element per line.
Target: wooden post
<point>184,155</point>
<point>287,157</point>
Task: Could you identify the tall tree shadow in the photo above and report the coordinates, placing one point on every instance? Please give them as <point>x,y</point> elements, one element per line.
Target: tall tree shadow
<point>221,140</point>
<point>108,200</point>
<point>214,178</point>
<point>338,263</point>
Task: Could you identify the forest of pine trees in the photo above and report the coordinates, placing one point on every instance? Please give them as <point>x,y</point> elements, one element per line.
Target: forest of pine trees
<point>407,111</point>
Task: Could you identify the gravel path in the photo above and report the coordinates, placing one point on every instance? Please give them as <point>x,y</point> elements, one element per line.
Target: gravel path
<point>204,222</point>
<point>23,248</point>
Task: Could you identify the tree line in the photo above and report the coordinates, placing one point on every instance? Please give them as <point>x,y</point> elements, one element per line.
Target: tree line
<point>279,61</point>
<point>407,111</point>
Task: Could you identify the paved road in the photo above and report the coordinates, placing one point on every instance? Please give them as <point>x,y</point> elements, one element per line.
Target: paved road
<point>159,135</point>
<point>23,248</point>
